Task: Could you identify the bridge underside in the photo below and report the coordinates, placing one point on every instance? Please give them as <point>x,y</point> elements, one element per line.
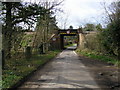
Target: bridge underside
<point>67,32</point>
<point>57,40</point>
<point>62,39</point>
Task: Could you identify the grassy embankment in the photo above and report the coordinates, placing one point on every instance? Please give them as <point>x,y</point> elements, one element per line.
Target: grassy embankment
<point>15,70</point>
<point>97,56</point>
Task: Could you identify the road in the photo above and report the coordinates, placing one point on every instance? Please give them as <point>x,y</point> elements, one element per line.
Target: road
<point>65,71</point>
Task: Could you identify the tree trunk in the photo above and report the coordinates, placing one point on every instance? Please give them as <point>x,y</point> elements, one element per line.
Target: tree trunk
<point>8,31</point>
<point>3,58</point>
<point>119,52</point>
<point>28,53</point>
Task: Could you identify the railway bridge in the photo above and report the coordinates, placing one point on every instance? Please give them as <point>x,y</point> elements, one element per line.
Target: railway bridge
<point>57,40</point>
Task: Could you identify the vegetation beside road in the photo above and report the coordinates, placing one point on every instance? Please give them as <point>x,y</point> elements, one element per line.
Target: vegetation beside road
<point>103,43</point>
<point>98,56</point>
<point>15,70</point>
<point>21,41</point>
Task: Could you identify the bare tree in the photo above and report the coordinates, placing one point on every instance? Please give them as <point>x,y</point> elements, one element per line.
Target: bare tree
<point>113,26</point>
<point>46,23</point>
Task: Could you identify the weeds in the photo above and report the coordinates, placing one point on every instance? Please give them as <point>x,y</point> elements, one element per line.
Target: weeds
<point>98,56</point>
<point>15,70</point>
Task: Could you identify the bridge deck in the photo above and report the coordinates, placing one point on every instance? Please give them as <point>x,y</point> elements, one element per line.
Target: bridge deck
<point>68,31</point>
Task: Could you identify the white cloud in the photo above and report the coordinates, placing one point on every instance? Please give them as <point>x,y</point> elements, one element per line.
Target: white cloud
<point>82,11</point>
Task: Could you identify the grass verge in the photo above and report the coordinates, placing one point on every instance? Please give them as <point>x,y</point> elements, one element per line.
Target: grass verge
<point>15,70</point>
<point>96,56</point>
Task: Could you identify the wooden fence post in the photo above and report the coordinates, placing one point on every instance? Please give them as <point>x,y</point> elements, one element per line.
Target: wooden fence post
<point>28,52</point>
<point>3,58</point>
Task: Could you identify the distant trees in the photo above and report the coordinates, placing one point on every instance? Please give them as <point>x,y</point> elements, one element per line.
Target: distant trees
<point>89,27</point>
<point>98,27</point>
<point>92,27</point>
<point>71,27</point>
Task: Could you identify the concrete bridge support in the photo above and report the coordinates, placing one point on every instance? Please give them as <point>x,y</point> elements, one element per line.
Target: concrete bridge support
<point>81,41</point>
<point>61,41</point>
<point>58,43</point>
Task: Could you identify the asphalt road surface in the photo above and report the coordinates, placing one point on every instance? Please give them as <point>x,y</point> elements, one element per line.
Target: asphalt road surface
<point>65,71</point>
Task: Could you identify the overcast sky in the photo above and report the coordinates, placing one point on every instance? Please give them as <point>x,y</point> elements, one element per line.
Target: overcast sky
<point>79,12</point>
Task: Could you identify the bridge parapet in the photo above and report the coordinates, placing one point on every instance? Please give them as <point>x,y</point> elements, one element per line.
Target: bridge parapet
<point>57,40</point>
<point>68,31</point>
